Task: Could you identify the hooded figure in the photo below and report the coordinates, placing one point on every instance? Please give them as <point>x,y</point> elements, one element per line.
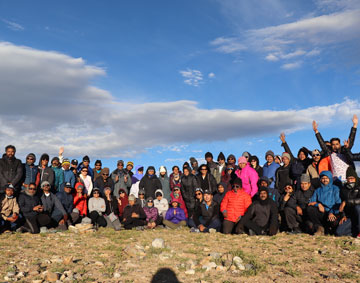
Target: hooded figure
<point>11,170</point>
<point>177,196</point>
<point>165,182</point>
<point>135,179</point>
<point>218,197</point>
<point>46,173</point>
<point>151,211</point>
<point>161,203</point>
<point>254,163</point>
<point>30,171</point>
<point>150,182</point>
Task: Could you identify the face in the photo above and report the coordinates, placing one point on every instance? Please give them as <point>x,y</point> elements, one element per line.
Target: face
<point>86,163</point>
<point>10,152</point>
<point>176,170</point>
<point>120,166</point>
<point>44,162</point>
<point>325,180</point>
<point>79,190</point>
<point>269,159</point>
<point>151,172</point>
<point>335,145</point>
<point>141,196</point>
<point>263,184</point>
<point>159,197</point>
<point>198,195</point>
<point>129,167</point>
<point>96,194</point>
<point>30,160</point>
<point>150,203</point>
<point>107,192</point>
<point>253,163</point>
<point>55,163</point>
<point>236,187</point>
<point>263,195</point>
<point>177,190</point>
<point>221,189</point>
<point>131,202</point>
<point>203,170</point>
<point>122,194</point>
<point>66,166</point>
<point>186,172</point>
<point>32,190</point>
<point>208,159</point>
<point>142,172</point>
<point>174,204</point>
<point>301,155</point>
<point>207,197</point>
<point>316,157</point>
<point>288,189</point>
<point>67,190</point>
<point>305,186</point>
<point>231,160</point>
<point>84,171</point>
<point>9,192</point>
<point>351,179</point>
<point>194,164</point>
<point>242,165</point>
<point>221,161</point>
<point>46,188</point>
<point>98,166</point>
<point>105,175</point>
<point>285,160</point>
<point>162,173</point>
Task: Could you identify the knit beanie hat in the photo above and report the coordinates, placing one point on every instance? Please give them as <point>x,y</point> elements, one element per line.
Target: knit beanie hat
<point>238,181</point>
<point>242,159</point>
<point>270,152</point>
<point>305,178</point>
<point>31,155</point>
<point>287,155</point>
<point>351,172</point>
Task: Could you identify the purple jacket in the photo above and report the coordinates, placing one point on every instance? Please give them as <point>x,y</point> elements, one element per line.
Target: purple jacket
<point>178,217</point>
<point>151,213</point>
<point>249,178</point>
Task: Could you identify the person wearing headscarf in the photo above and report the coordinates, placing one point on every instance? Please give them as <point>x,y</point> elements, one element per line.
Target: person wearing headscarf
<point>150,182</point>
<point>135,179</point>
<point>165,182</point>
<point>175,216</point>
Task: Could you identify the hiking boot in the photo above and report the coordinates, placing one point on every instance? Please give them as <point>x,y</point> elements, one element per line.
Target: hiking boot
<point>320,231</point>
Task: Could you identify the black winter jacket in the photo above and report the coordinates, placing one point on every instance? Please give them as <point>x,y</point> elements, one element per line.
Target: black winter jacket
<point>27,203</point>
<point>208,215</point>
<point>11,171</point>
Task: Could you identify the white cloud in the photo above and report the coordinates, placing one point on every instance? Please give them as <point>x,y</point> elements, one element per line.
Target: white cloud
<point>192,77</point>
<point>291,66</point>
<point>12,25</point>
<point>211,75</point>
<point>47,101</point>
<point>301,38</point>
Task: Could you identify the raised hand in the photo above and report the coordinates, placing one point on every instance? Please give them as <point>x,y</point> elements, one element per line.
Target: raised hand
<point>315,126</point>
<point>355,121</point>
<point>282,137</point>
<point>346,143</point>
<point>61,150</point>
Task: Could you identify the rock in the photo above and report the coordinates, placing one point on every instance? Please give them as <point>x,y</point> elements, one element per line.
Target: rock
<point>322,252</point>
<point>36,281</point>
<point>68,260</point>
<point>130,251</point>
<point>158,243</point>
<point>212,231</point>
<point>191,263</point>
<point>62,277</point>
<point>345,252</point>
<point>220,268</point>
<point>207,250</point>
<point>77,276</point>
<point>233,267</point>
<point>164,256</point>
<point>6,278</point>
<point>190,272</point>
<point>209,266</point>
<point>117,275</point>
<point>215,255</point>
<point>34,272</point>
<point>56,260</point>
<point>11,274</point>
<point>99,263</point>
<point>20,275</point>
<point>51,276</point>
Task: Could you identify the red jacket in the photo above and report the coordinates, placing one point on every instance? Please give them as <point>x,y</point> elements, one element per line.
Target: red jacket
<point>81,204</point>
<point>235,204</point>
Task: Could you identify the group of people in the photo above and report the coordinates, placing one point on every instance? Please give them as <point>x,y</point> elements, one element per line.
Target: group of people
<point>316,192</point>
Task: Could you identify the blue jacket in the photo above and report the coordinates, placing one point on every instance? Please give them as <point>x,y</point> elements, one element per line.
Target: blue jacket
<point>269,172</point>
<point>59,178</point>
<point>67,200</point>
<point>328,196</point>
<point>178,217</point>
<point>69,177</point>
<point>30,173</point>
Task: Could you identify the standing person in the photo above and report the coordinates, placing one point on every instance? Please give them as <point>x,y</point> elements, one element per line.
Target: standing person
<point>152,214</point>
<point>104,180</point>
<point>150,182</point>
<point>32,210</point>
<point>129,168</point>
<point>134,215</point>
<point>283,173</point>
<point>221,167</point>
<point>231,160</point>
<point>69,176</point>
<point>188,185</point>
<point>45,172</point>
<point>175,177</point>
<point>229,176</point>
<point>194,165</point>
<point>11,169</point>
<point>270,168</point>
<point>261,217</point>
<point>175,216</point>
<point>97,169</point>
<point>206,217</point>
<point>86,163</point>
<point>165,182</point>
<point>349,224</point>
<point>111,214</point>
<point>121,178</point>
<point>58,173</point>
<point>30,171</point>
<point>135,179</point>
<point>324,205</point>
<point>254,163</point>
<point>313,168</point>
<point>74,165</point>
<point>86,180</point>
<point>9,210</point>
<point>53,207</point>
<point>96,209</point>
<point>211,164</point>
<point>234,206</point>
<point>248,176</point>
<point>80,200</point>
<point>205,179</point>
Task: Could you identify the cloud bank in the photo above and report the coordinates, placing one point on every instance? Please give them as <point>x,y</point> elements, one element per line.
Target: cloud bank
<point>48,100</point>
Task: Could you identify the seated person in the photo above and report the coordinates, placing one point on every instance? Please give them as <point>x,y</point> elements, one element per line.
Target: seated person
<point>261,217</point>
<point>161,203</point>
<point>349,224</point>
<point>234,205</point>
<point>80,201</point>
<point>288,211</point>
<point>32,210</point>
<point>122,203</point>
<point>53,207</point>
<point>141,199</point>
<point>9,209</point>
<point>152,214</point>
<point>324,205</point>
<point>67,201</point>
<point>97,207</point>
<point>111,214</point>
<point>134,215</point>
<point>175,216</point>
<point>207,214</point>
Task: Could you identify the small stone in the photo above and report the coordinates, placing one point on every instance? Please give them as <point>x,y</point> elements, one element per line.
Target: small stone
<point>68,260</point>
<point>215,255</point>
<point>62,277</point>
<point>209,266</point>
<point>56,260</point>
<point>34,272</point>
<point>117,275</point>
<point>37,281</point>
<point>99,263</point>
<point>11,274</point>
<point>51,276</point>
<point>220,268</point>
<point>212,231</point>
<point>6,278</point>
<point>20,275</point>
<point>345,252</point>
<point>158,243</point>
<point>77,276</point>
<point>233,267</point>
<point>164,256</point>
<point>207,250</point>
<point>190,272</point>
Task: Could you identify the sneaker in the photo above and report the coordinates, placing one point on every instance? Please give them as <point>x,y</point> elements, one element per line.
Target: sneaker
<point>194,230</point>
<point>44,229</point>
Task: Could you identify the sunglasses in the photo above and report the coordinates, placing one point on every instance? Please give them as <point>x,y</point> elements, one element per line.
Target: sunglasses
<point>84,170</point>
<point>176,189</point>
<point>141,194</point>
<point>96,193</point>
<point>237,186</point>
<point>150,201</point>
<point>316,154</point>
<point>105,174</point>
<point>204,169</point>
<point>29,158</point>
<point>198,194</point>
<point>46,186</point>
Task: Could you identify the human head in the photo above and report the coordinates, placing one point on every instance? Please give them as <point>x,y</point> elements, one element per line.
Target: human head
<point>150,171</point>
<point>302,153</point>
<point>98,165</point>
<point>120,164</point>
<point>149,202</point>
<point>326,178</point>
<point>263,193</point>
<point>231,159</point>
<point>10,151</point>
<point>335,144</point>
<point>55,162</point>
<point>289,188</point>
<point>209,157</point>
<point>221,158</point>
<point>316,155</point>
<point>247,155</point>
<point>74,163</point>
<point>286,158</point>
<point>352,177</point>
<point>176,170</point>
<point>208,196</point>
<point>199,193</point>
<point>221,187</point>
<point>30,159</point>
<point>237,185</point>
<point>67,188</point>
<point>193,162</point>
<point>305,182</point>
<point>278,159</point>
<point>79,188</point>
<point>96,192</point>
<point>186,171</point>
<point>242,162</point>
<point>162,170</point>
<point>45,186</point>
<point>254,161</point>
<point>264,182</point>
<point>44,160</point>
<point>31,190</point>
<point>105,173</point>
<point>84,171</point>
<point>159,195</point>
<point>174,204</point>
<point>229,169</point>
<point>269,156</point>
<point>131,200</point>
<point>203,169</point>
<point>86,161</point>
<point>66,164</point>
<point>107,191</point>
<point>9,190</point>
<point>130,166</point>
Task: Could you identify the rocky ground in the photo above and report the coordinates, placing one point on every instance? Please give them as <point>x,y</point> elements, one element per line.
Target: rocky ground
<point>83,255</point>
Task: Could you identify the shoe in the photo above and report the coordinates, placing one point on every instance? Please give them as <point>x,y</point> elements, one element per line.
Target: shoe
<point>320,231</point>
<point>194,230</point>
<point>251,233</point>
<point>295,231</point>
<point>44,229</point>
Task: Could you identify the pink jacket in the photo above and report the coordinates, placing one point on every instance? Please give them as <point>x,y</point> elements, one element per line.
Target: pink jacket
<point>249,178</point>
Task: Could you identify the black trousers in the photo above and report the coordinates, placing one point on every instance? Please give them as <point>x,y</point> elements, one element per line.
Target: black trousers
<point>34,223</point>
<point>133,222</point>
<point>316,217</point>
<point>229,226</point>
<point>290,217</point>
<point>96,218</point>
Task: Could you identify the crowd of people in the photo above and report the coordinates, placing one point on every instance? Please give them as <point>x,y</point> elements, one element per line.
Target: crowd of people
<point>316,192</point>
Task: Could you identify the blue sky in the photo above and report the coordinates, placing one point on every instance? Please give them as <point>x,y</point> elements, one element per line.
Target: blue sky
<point>160,81</point>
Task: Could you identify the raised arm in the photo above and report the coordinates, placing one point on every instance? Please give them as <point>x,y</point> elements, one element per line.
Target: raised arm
<point>285,145</point>
<point>320,139</point>
<point>353,131</point>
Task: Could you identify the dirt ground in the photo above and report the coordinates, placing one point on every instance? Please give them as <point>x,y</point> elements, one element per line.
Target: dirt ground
<point>128,256</point>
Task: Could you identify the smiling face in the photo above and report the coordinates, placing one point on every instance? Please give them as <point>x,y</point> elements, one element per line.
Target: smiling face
<point>325,180</point>
<point>269,159</point>
<point>263,195</point>
<point>10,152</point>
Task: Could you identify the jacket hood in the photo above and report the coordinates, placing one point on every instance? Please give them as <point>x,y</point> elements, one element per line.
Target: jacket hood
<point>159,191</point>
<point>329,175</point>
<point>231,156</point>
<point>254,157</point>
<point>136,174</point>
<point>351,172</point>
<point>150,168</point>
